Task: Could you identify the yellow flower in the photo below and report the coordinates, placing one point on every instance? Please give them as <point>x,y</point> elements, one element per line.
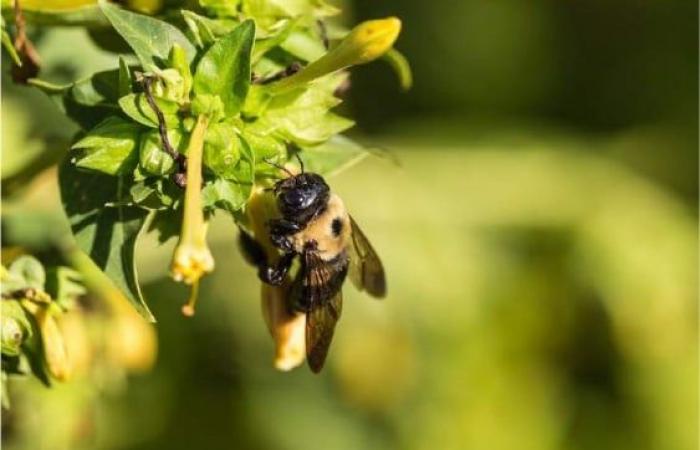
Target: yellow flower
<point>191,261</point>
<point>287,328</point>
<point>365,43</point>
<point>192,258</point>
<point>56,355</point>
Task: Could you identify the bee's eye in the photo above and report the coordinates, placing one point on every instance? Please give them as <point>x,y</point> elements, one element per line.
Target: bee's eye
<point>294,198</point>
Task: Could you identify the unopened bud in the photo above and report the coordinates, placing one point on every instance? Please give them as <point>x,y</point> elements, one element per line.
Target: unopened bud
<point>366,42</point>
<point>55,352</point>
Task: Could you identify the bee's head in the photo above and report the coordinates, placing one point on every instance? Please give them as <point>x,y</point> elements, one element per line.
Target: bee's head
<point>300,197</point>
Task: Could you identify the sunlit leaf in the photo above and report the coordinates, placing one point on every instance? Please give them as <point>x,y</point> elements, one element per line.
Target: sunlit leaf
<point>110,147</point>
<point>333,156</point>
<point>224,70</point>
<point>150,38</point>
<point>137,107</point>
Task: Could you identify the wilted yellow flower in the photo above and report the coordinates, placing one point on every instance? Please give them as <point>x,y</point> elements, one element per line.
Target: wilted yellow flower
<point>55,354</point>
<point>365,43</point>
<point>192,258</point>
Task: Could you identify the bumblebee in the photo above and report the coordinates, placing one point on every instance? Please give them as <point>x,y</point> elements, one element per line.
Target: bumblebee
<point>316,229</point>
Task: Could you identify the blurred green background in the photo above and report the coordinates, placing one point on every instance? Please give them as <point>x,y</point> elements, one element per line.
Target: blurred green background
<point>540,239</point>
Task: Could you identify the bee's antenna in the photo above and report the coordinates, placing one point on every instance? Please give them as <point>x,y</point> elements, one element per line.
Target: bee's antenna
<point>280,167</point>
<point>301,163</point>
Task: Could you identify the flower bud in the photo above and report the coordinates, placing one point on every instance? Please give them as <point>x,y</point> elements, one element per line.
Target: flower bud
<point>178,61</point>
<point>12,335</point>
<point>366,42</point>
<point>55,353</point>
<point>209,105</point>
<point>170,85</point>
<point>221,149</point>
<point>152,158</point>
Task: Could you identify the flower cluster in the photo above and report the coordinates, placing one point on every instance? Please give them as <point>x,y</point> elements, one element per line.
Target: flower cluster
<point>215,98</point>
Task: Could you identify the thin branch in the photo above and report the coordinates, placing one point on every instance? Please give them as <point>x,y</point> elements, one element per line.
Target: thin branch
<point>287,72</point>
<point>179,177</point>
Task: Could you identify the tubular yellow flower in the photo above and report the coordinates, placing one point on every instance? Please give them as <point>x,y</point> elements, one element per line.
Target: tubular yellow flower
<point>365,43</point>
<point>287,328</point>
<point>192,258</point>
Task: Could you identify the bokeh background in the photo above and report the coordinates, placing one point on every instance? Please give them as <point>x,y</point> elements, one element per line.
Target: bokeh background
<point>539,233</point>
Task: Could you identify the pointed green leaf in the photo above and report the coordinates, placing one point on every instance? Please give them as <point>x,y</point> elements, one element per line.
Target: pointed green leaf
<point>110,147</point>
<point>136,106</point>
<point>151,39</point>
<point>124,78</point>
<point>333,156</point>
<point>224,70</point>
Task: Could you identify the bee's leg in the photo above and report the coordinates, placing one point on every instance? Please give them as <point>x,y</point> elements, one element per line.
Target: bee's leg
<point>280,229</point>
<point>275,274</point>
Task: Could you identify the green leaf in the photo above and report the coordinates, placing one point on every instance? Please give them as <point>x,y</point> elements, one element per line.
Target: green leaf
<point>200,28</point>
<point>263,141</point>
<point>30,271</point>
<point>335,155</point>
<point>124,80</point>
<point>151,39</point>
<point>152,158</point>
<point>303,116</point>
<point>64,285</point>
<point>221,149</point>
<point>88,101</point>
<point>233,193</point>
<point>110,147</point>
<point>136,106</point>
<point>263,46</point>
<point>225,194</point>
<point>303,45</point>
<point>224,70</point>
<point>167,224</point>
<point>108,234</point>
<point>87,16</point>
<point>9,46</point>
<point>399,63</point>
<point>155,193</point>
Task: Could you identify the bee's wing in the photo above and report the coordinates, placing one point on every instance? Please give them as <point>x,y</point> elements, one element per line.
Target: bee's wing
<point>366,270</point>
<point>316,292</point>
<point>320,326</point>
